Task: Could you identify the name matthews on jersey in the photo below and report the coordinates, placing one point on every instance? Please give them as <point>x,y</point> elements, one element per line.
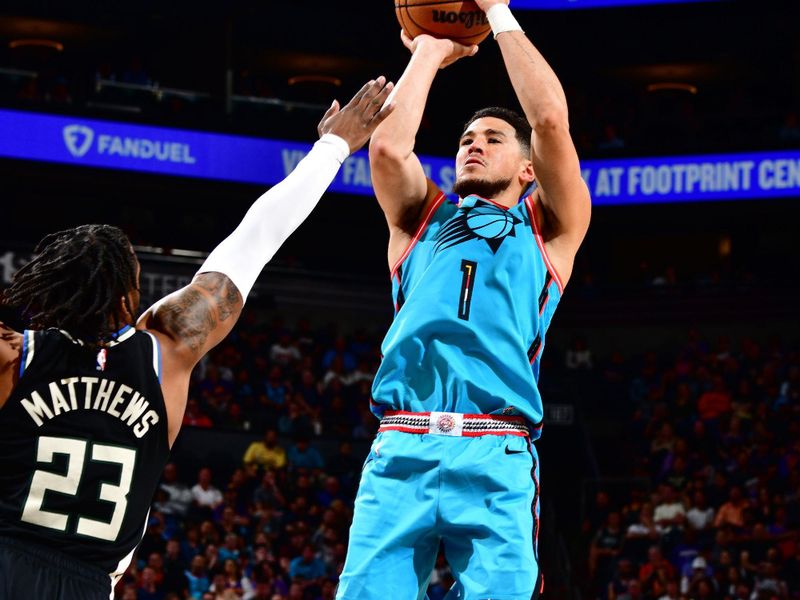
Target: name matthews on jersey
<point>66,395</point>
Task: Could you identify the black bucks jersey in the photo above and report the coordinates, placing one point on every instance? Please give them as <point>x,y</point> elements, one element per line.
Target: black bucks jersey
<point>83,441</point>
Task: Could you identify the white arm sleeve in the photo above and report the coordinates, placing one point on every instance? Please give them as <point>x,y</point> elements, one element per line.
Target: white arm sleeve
<point>276,214</point>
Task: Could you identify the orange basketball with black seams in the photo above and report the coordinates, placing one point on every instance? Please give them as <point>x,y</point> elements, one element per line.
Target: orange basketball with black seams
<point>462,22</point>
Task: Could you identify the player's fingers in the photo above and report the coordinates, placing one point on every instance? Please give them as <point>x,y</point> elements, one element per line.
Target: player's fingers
<point>334,108</point>
<point>368,102</point>
<point>360,93</point>
<point>407,41</point>
<point>382,114</point>
<point>380,99</point>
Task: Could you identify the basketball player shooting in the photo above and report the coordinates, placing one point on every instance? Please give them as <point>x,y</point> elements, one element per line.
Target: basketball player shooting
<point>475,286</point>
<point>90,403</point>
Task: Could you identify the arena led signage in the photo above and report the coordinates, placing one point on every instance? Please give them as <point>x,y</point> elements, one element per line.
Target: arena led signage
<point>158,150</point>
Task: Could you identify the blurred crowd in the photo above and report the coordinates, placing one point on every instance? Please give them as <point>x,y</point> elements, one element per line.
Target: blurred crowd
<point>712,441</point>
<point>711,447</point>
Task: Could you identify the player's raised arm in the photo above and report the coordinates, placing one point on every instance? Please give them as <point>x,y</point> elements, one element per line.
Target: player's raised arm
<point>194,319</point>
<point>566,205</point>
<point>397,176</point>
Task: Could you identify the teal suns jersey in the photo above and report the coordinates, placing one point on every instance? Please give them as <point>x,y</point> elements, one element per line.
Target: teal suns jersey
<point>474,293</point>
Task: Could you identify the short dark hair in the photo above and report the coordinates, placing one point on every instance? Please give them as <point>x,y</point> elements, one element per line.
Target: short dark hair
<point>74,282</point>
<point>513,118</point>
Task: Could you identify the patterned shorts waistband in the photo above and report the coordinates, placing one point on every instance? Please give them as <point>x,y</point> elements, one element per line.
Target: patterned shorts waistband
<point>453,424</point>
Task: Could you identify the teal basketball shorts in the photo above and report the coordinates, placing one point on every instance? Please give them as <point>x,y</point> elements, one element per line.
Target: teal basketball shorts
<point>469,482</point>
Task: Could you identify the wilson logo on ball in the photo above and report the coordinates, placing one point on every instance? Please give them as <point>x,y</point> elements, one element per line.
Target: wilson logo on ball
<point>467,19</point>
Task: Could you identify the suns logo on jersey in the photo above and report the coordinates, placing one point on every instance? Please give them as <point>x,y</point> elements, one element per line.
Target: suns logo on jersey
<point>483,221</point>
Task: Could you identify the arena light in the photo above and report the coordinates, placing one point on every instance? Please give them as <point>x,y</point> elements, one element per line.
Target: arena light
<point>36,43</point>
<point>329,79</point>
<point>672,86</point>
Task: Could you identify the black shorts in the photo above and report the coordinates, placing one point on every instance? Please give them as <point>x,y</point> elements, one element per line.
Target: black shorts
<point>29,572</point>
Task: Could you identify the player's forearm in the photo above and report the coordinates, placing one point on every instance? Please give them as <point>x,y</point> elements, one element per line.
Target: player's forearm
<point>398,132</point>
<point>276,214</point>
<point>537,87</point>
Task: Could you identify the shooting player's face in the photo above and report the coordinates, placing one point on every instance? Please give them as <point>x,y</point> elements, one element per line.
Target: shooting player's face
<point>489,158</point>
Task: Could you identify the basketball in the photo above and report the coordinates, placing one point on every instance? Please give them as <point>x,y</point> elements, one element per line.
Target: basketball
<point>489,222</point>
<point>462,22</point>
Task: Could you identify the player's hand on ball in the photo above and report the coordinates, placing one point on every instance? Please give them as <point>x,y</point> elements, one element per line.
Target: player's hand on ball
<point>358,119</point>
<point>450,51</point>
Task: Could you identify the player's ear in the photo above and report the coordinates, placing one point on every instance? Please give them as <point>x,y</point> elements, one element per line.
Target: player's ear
<point>526,174</point>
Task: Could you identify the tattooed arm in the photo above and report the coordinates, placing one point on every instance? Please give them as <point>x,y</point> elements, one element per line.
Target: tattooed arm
<point>187,324</point>
<point>197,317</point>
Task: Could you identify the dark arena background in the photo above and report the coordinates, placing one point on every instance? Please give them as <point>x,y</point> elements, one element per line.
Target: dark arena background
<point>671,376</point>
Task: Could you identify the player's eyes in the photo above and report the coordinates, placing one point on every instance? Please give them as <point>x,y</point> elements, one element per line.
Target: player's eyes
<point>494,141</point>
<point>466,142</point>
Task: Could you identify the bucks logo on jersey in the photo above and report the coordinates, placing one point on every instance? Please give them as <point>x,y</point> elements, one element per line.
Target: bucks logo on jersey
<point>483,221</point>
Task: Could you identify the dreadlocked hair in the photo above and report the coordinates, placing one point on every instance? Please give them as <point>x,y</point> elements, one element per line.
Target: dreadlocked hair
<point>74,282</point>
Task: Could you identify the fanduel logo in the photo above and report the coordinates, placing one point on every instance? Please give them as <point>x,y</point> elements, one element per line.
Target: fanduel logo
<point>78,139</point>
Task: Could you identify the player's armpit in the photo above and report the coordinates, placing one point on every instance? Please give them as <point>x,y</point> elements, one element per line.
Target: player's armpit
<point>558,175</point>
<point>402,234</point>
<point>197,317</point>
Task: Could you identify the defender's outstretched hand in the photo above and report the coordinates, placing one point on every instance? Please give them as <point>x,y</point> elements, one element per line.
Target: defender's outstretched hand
<point>450,50</point>
<point>358,119</point>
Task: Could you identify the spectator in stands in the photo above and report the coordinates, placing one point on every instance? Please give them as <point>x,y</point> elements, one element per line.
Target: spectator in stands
<point>670,515</point>
<point>275,390</point>
<point>268,493</point>
<point>194,416</point>
<point>230,550</point>
<point>148,589</point>
<point>266,453</point>
<point>715,402</point>
<point>700,516</point>
<point>606,546</point>
<point>204,494</point>
<point>177,497</point>
<point>732,512</point>
<point>197,576</point>
<point>283,352</point>
<point>655,563</point>
<point>303,456</point>
<point>340,351</point>
<point>307,566</point>
<point>671,592</point>
<point>174,567</point>
<point>642,534</point>
<point>698,570</point>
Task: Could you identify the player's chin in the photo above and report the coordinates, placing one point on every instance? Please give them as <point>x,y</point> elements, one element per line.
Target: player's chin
<point>466,185</point>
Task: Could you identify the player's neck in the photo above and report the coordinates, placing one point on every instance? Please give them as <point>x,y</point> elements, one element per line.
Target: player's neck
<point>506,199</point>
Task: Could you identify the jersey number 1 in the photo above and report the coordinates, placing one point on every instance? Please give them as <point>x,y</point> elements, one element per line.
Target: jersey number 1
<point>468,268</point>
<point>68,485</point>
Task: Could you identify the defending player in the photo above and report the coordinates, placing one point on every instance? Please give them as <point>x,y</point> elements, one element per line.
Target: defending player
<point>475,287</point>
<point>91,404</point>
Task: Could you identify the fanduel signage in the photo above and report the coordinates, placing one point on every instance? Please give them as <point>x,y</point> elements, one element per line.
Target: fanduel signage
<point>79,141</point>
<point>94,143</point>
